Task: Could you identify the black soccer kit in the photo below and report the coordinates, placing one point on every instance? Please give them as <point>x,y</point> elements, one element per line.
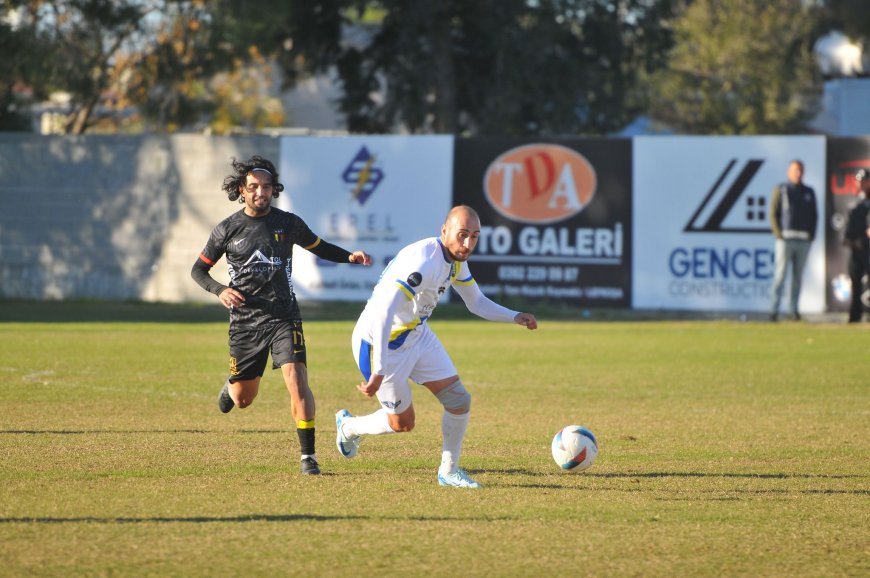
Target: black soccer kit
<point>259,254</point>
<point>857,224</point>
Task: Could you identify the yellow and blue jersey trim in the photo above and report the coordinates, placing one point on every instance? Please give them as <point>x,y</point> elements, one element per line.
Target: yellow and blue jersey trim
<point>406,289</point>
<point>364,359</point>
<point>398,336</point>
<point>467,281</point>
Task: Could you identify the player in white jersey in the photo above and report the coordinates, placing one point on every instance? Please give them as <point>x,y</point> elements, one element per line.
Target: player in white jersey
<point>392,342</point>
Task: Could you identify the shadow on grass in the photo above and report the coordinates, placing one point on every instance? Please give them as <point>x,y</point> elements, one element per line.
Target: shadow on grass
<point>749,475</point>
<point>182,519</point>
<point>238,519</point>
<point>136,432</point>
<point>630,475</point>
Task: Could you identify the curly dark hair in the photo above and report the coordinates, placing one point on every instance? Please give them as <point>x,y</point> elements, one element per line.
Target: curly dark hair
<point>235,181</point>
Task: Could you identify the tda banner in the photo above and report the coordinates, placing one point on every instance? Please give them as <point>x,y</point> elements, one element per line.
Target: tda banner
<point>555,216</point>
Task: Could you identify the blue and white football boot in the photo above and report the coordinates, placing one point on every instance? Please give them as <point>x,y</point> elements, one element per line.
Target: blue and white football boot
<point>457,479</point>
<point>348,447</point>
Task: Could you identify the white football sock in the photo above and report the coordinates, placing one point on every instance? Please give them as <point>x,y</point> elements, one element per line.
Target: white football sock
<point>453,428</point>
<point>372,424</point>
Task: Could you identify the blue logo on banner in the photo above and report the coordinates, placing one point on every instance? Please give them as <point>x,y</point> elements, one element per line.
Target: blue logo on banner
<point>362,175</point>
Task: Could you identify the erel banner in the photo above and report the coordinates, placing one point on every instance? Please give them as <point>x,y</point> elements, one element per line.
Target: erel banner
<point>702,233</point>
<point>373,193</point>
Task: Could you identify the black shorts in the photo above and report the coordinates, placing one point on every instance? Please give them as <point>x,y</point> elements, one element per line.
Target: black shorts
<point>250,347</point>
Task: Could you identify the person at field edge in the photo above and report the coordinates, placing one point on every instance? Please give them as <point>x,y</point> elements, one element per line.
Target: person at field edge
<point>392,342</point>
<point>857,238</point>
<point>264,314</point>
<point>793,219</point>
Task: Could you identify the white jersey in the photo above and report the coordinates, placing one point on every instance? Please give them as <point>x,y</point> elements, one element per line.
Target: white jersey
<point>408,292</point>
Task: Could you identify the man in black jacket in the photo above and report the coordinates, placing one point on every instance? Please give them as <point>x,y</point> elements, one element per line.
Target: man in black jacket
<point>793,219</point>
<point>857,238</point>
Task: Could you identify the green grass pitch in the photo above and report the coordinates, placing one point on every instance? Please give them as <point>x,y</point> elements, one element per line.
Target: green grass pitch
<point>726,449</point>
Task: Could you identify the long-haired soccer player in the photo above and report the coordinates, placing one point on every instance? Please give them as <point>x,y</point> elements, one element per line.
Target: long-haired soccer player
<point>264,315</point>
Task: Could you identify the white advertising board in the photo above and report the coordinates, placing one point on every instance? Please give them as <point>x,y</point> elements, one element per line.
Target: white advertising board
<point>374,193</point>
<point>702,238</point>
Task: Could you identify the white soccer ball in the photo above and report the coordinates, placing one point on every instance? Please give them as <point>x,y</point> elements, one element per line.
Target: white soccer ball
<point>574,448</point>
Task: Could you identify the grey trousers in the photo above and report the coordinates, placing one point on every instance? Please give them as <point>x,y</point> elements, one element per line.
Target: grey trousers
<point>789,253</point>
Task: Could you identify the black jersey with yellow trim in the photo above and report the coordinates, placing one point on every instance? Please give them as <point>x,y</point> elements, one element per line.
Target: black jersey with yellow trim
<point>259,255</point>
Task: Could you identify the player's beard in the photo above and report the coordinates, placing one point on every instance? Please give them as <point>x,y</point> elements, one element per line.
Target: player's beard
<point>259,208</point>
<point>459,258</point>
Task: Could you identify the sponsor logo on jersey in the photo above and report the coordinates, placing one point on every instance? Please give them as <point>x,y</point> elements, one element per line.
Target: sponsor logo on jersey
<point>363,175</point>
<point>414,279</point>
<point>259,263</point>
<point>391,404</point>
<point>540,183</point>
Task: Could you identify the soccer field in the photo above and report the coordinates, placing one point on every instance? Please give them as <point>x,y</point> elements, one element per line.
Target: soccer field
<point>726,449</point>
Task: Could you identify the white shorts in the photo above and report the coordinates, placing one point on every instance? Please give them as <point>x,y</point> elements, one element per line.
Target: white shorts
<point>423,360</point>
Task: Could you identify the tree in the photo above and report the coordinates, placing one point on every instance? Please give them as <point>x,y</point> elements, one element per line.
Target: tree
<point>850,16</point>
<point>15,72</point>
<point>79,42</point>
<point>740,67</point>
<point>157,58</point>
<point>482,67</point>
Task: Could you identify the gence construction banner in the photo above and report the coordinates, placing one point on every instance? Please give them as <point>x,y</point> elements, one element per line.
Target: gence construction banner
<point>702,238</point>
<point>555,217</point>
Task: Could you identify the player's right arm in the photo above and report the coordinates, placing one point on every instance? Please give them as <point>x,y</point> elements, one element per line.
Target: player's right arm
<point>201,271</point>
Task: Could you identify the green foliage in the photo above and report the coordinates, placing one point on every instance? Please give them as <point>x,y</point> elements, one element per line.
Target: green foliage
<point>14,77</point>
<point>484,67</point>
<point>487,67</point>
<point>740,67</point>
<point>153,58</point>
<point>728,449</point>
<point>81,43</point>
<point>850,16</point>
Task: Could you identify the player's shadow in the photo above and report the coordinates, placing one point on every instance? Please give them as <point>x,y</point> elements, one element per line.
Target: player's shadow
<point>179,519</point>
<point>571,483</point>
<point>252,518</point>
<point>630,475</point>
<point>748,475</point>
<point>131,432</point>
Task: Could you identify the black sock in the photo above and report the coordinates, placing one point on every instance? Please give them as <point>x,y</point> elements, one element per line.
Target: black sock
<point>306,440</point>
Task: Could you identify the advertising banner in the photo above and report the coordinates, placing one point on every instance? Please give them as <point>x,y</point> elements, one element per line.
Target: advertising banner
<point>374,193</point>
<point>845,157</point>
<point>702,238</point>
<point>555,217</point>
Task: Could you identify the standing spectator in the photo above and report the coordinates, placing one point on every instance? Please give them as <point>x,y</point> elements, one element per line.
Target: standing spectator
<point>793,218</point>
<point>857,238</point>
<point>258,243</point>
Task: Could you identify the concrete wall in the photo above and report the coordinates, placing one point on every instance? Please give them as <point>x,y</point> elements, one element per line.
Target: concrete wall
<point>113,217</point>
